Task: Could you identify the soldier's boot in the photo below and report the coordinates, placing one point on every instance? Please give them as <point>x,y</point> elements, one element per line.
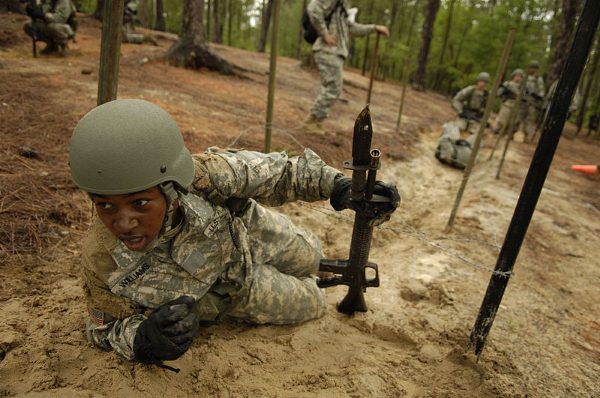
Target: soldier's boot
<point>51,48</point>
<point>314,125</point>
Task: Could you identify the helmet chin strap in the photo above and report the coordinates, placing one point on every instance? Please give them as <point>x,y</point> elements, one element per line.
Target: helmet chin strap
<point>168,189</point>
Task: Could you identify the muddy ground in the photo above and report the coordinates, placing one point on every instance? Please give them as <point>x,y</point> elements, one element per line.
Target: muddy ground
<point>545,341</point>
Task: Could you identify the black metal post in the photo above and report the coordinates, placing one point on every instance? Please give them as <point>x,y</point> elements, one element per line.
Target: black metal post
<point>538,170</point>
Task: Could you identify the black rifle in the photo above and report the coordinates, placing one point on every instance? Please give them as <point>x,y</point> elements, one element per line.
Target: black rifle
<point>470,115</point>
<point>34,10</point>
<point>352,272</point>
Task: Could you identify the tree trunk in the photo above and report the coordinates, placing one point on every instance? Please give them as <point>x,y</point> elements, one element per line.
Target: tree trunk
<point>99,13</point>
<point>440,72</point>
<point>208,18</point>
<point>144,13</point>
<point>191,50</point>
<point>563,41</point>
<point>588,86</point>
<point>300,33</point>
<point>229,20</point>
<point>430,14</point>
<point>217,38</point>
<point>264,27</point>
<point>160,23</point>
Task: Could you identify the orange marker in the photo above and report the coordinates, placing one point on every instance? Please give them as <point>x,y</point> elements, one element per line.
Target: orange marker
<point>589,169</point>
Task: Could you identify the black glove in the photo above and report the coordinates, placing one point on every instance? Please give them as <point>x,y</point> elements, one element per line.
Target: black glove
<point>167,333</point>
<point>379,211</point>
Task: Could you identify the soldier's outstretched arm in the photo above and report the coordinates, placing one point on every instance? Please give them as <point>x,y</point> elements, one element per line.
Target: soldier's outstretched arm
<point>271,179</point>
<point>356,29</point>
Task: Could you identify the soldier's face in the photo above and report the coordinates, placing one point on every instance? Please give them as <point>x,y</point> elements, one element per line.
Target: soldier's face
<point>136,219</point>
<point>481,84</point>
<point>532,70</point>
<point>517,78</point>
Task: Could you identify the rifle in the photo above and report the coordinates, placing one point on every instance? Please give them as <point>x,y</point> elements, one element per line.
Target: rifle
<point>470,115</point>
<point>352,273</point>
<point>34,11</point>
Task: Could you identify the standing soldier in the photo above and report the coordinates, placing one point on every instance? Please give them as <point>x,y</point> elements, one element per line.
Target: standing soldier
<point>508,92</point>
<point>330,50</point>
<point>52,22</point>
<point>533,99</point>
<point>469,103</point>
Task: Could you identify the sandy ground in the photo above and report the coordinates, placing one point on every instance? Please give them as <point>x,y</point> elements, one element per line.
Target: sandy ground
<point>411,343</point>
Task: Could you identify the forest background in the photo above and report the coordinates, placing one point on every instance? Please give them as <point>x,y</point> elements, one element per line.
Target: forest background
<point>441,45</point>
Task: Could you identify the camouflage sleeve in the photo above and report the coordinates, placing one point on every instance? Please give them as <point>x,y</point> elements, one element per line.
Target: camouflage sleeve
<point>358,30</point>
<point>460,98</point>
<point>271,179</point>
<point>540,87</point>
<point>62,11</point>
<point>317,10</point>
<point>117,335</point>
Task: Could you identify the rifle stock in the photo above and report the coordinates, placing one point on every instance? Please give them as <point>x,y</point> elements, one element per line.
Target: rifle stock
<point>352,272</point>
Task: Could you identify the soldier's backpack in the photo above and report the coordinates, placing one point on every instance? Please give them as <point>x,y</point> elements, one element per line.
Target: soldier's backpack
<point>451,149</point>
<point>309,32</point>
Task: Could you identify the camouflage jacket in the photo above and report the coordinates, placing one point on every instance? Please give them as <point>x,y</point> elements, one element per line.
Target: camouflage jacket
<point>534,90</point>
<point>59,11</point>
<point>339,26</point>
<point>508,91</point>
<point>470,99</point>
<point>209,250</point>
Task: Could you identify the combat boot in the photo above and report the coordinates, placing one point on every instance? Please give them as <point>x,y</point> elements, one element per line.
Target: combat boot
<point>50,48</point>
<point>314,125</point>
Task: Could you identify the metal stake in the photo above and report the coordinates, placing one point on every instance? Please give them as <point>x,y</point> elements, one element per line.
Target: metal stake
<point>486,114</point>
<point>404,85</point>
<point>110,48</point>
<point>373,67</point>
<point>272,74</point>
<point>538,170</point>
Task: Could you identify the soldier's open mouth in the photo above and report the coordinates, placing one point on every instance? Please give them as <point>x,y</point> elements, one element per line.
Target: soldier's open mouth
<point>136,243</point>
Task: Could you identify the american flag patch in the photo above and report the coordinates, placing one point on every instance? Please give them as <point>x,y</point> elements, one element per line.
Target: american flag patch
<point>96,316</point>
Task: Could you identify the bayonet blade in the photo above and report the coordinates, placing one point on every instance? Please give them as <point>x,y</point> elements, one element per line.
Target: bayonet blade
<point>361,142</point>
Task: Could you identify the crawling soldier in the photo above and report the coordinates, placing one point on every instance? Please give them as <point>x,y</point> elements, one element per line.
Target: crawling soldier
<point>179,239</point>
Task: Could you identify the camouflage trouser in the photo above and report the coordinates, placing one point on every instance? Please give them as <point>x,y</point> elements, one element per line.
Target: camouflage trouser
<point>330,69</point>
<point>129,35</point>
<point>282,287</point>
<point>504,117</point>
<point>528,117</point>
<point>471,126</point>
<point>51,33</point>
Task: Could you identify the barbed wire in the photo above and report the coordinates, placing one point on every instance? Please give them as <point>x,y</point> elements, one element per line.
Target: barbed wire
<point>421,236</point>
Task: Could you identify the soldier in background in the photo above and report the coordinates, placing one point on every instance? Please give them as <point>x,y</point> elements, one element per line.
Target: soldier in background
<point>508,92</point>
<point>129,34</point>
<point>469,104</point>
<point>533,101</point>
<point>330,51</point>
<point>53,22</point>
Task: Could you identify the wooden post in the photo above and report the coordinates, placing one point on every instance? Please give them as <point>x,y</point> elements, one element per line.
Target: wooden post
<point>486,114</point>
<point>110,47</point>
<point>272,74</point>
<point>510,129</point>
<point>373,67</point>
<point>538,170</point>
<point>404,85</point>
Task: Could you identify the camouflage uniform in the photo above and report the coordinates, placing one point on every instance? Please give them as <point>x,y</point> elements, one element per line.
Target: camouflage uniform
<point>508,91</point>
<point>54,28</point>
<point>469,100</point>
<point>531,104</point>
<point>330,59</point>
<point>234,256</point>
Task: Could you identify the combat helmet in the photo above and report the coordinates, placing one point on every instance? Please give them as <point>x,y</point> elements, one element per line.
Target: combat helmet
<point>126,146</point>
<point>483,76</point>
<point>517,71</point>
<point>534,64</point>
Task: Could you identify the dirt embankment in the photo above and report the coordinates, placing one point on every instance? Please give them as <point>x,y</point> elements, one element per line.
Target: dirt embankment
<point>410,344</point>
